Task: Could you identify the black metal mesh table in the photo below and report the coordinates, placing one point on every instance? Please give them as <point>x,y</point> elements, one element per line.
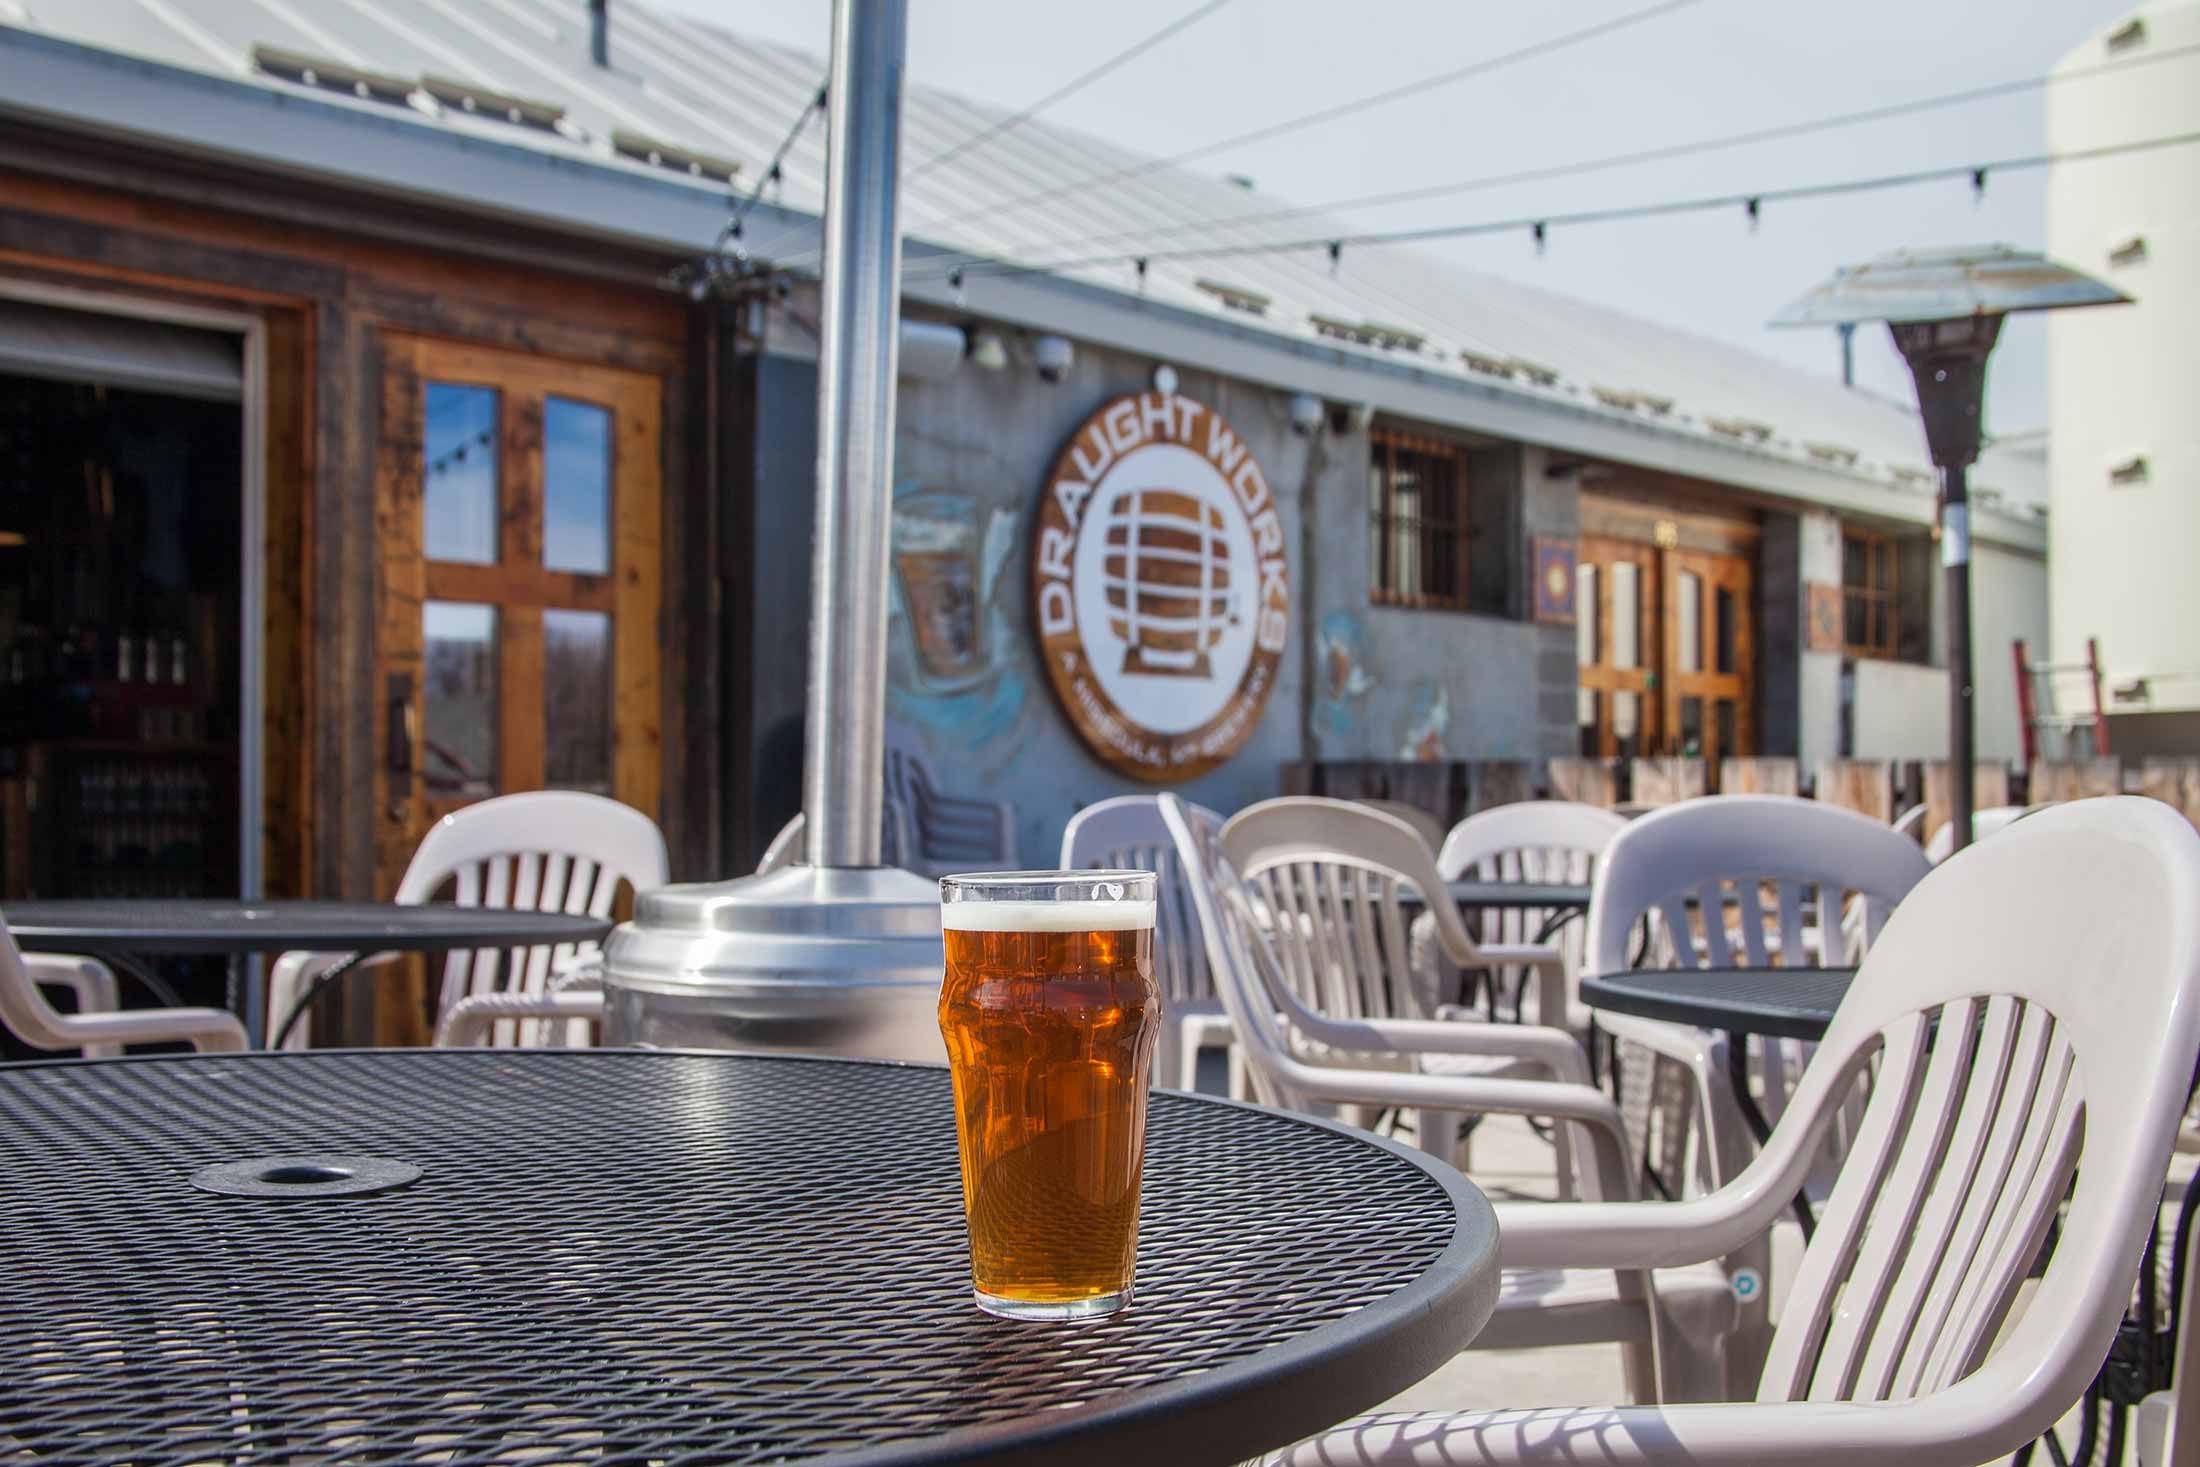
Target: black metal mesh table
<point>1784,1003</point>
<point>122,931</point>
<point>627,1256</point>
<point>1531,895</point>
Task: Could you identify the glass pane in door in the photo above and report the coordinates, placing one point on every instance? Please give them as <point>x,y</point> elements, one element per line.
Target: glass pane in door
<point>459,656</point>
<point>1626,614</point>
<point>1724,625</point>
<point>458,435</point>
<point>576,486</point>
<point>1723,719</point>
<point>1688,620</point>
<point>576,696</point>
<point>1585,616</point>
<point>1691,729</point>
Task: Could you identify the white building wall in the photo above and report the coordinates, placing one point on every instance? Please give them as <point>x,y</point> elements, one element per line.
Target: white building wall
<point>2124,381</point>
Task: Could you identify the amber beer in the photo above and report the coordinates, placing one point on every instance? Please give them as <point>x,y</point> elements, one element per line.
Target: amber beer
<point>1050,1014</point>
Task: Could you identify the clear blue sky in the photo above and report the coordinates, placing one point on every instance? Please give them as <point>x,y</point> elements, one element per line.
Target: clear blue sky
<point>1718,66</point>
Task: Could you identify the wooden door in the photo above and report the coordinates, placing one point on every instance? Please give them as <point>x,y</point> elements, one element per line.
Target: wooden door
<point>1616,615</point>
<point>1710,656</point>
<point>517,509</point>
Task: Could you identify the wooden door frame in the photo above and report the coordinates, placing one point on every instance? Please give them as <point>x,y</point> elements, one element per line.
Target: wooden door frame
<point>1657,681</point>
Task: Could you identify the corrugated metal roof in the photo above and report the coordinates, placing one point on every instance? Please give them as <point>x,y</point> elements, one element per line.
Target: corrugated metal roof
<point>720,96</point>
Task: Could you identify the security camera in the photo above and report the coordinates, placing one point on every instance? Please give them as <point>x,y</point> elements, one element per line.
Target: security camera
<point>1053,355</point>
<point>1306,414</point>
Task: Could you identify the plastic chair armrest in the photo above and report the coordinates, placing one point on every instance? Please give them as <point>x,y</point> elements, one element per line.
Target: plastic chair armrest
<point>207,1030</point>
<point>469,1021</point>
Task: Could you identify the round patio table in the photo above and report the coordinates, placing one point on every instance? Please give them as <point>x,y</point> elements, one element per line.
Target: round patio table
<point>121,932</point>
<point>1778,1003</point>
<point>476,1256</point>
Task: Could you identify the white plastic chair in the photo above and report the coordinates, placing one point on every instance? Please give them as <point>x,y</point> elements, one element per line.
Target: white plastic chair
<point>2030,1015</point>
<point>542,850</point>
<point>1983,824</point>
<point>1425,825</point>
<point>1127,833</point>
<point>98,1027</point>
<point>1550,841</point>
<point>1683,1313</point>
<point>1686,866</point>
<point>1335,878</point>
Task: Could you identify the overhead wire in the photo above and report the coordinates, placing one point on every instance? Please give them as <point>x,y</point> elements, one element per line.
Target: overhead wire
<point>1540,224</point>
<point>771,173</point>
<point>988,133</point>
<point>1324,114</point>
<point>1777,132</point>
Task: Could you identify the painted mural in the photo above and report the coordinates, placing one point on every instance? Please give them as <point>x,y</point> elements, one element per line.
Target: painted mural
<point>952,667</point>
<point>1344,676</point>
<point>1428,720</point>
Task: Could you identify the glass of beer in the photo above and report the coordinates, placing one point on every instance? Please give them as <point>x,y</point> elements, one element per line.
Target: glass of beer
<point>1050,1014</point>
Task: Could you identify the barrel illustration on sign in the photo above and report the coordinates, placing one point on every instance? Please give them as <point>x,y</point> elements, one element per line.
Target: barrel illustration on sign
<point>1160,586</point>
<point>1167,571</point>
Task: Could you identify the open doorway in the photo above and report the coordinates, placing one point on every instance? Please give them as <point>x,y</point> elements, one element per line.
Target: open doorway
<point>121,606</point>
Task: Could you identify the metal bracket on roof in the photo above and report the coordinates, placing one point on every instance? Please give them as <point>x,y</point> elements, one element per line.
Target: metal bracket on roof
<point>1236,297</point>
<point>657,154</point>
<point>1832,453</point>
<point>1748,429</point>
<point>1368,333</point>
<point>1489,366</point>
<point>479,101</point>
<point>331,76</point>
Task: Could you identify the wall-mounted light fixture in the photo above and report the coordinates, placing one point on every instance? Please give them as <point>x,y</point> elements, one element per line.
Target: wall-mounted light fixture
<point>1053,356</point>
<point>1306,414</point>
<point>988,351</point>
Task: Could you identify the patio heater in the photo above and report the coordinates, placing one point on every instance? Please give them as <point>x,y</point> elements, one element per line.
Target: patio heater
<point>1945,308</point>
<point>837,955</point>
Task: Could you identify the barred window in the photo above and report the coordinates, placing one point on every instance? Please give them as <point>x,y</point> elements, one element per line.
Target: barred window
<point>1417,508</point>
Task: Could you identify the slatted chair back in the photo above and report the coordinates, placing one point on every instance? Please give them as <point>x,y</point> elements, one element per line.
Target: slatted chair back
<point>1340,884</point>
<point>1542,841</point>
<point>544,851</point>
<point>1770,865</point>
<point>1427,826</point>
<point>1127,833</point>
<point>1999,1074</point>
<point>1754,881</point>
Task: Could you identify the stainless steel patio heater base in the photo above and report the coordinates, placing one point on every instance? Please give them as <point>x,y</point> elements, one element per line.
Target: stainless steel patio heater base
<point>808,959</point>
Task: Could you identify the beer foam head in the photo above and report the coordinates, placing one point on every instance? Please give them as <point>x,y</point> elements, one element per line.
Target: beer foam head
<point>1090,916</point>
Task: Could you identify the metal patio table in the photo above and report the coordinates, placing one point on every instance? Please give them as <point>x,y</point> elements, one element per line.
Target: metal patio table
<point>1564,901</point>
<point>121,932</point>
<point>1778,1003</point>
<point>629,1255</point>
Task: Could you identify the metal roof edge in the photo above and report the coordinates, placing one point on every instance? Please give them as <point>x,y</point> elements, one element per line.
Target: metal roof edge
<point>91,90</point>
<point>1184,338</point>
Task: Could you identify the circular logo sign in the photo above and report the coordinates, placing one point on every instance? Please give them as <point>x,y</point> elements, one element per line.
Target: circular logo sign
<point>1159,581</point>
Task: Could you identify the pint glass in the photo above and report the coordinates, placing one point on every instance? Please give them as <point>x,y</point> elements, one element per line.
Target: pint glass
<point>1050,1014</point>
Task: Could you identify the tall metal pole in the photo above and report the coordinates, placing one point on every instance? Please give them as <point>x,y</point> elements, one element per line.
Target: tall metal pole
<point>842,785</point>
<point>1955,560</point>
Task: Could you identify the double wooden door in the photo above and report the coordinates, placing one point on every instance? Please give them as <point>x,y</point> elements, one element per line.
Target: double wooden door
<point>517,509</point>
<point>1667,649</point>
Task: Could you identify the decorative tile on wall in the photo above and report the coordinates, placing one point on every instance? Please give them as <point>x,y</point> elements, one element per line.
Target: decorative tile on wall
<point>1822,631</point>
<point>1553,562</point>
